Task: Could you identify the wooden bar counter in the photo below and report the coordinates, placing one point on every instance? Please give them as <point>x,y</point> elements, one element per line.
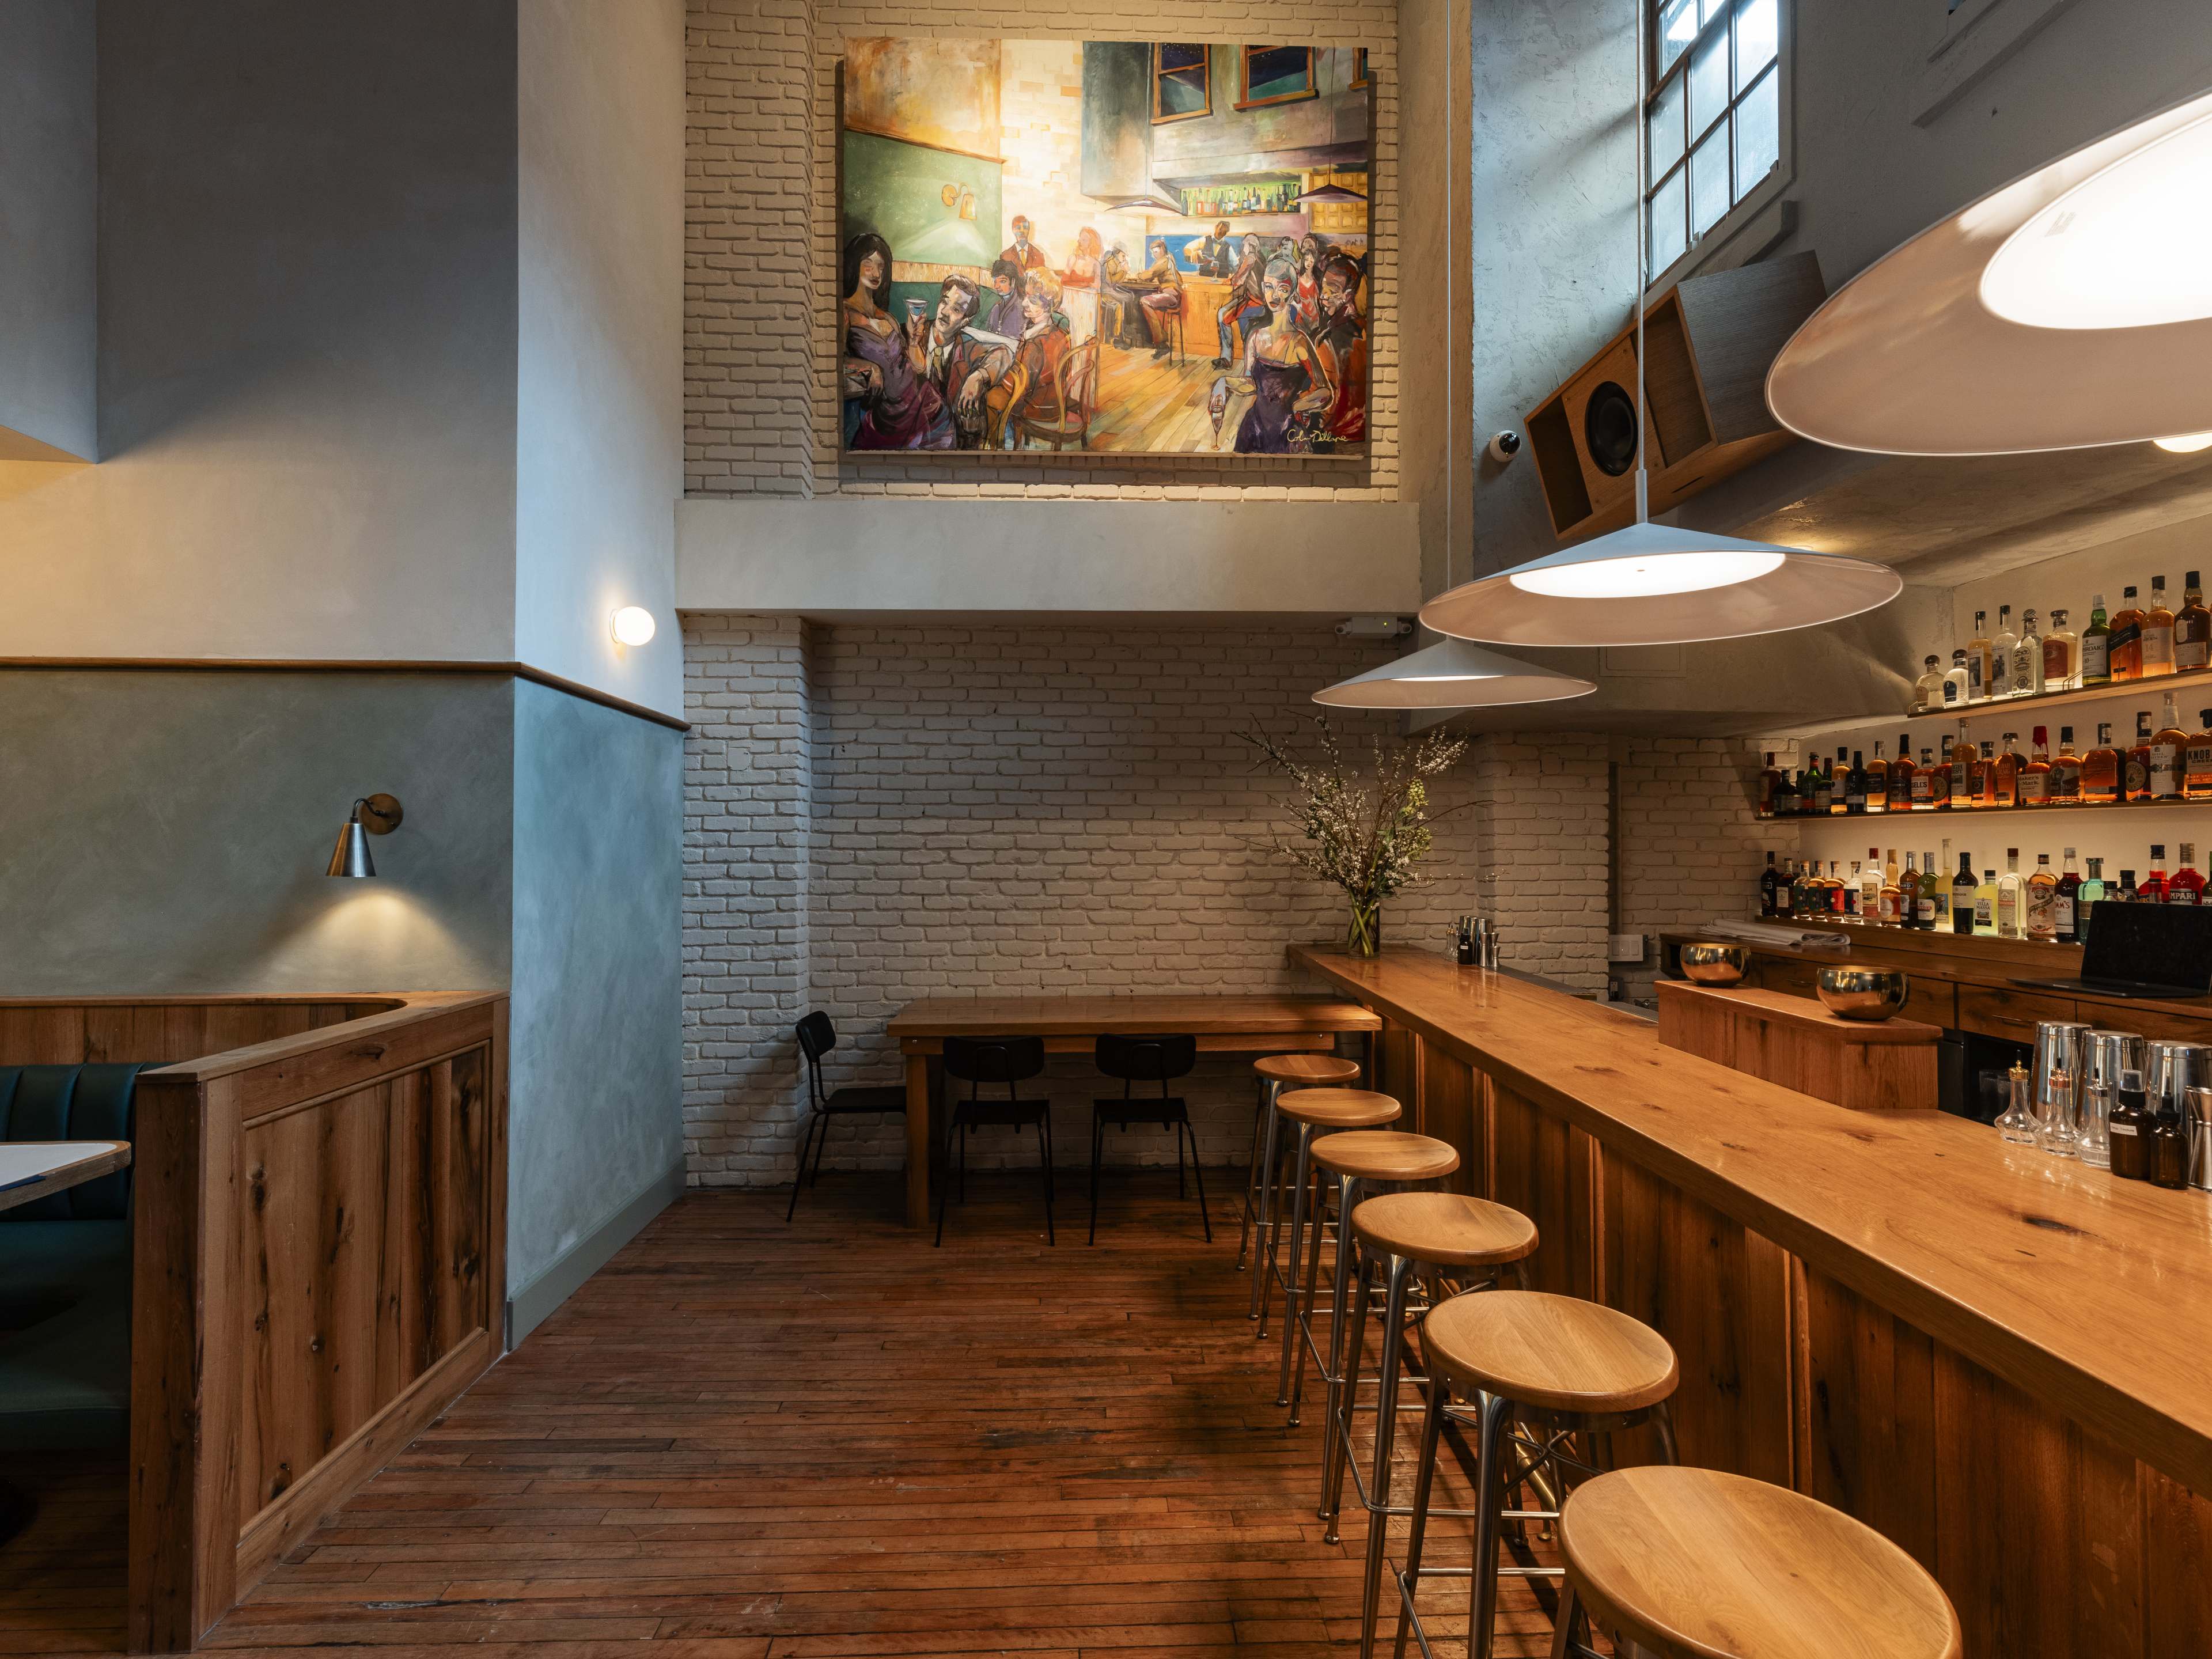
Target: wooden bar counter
<point>2000,1359</point>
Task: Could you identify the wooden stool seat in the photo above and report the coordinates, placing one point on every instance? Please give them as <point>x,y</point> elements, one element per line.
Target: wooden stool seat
<point>1338,1109</point>
<point>1301,1071</point>
<point>1385,1155</point>
<point>1554,1353</point>
<point>1444,1229</point>
<point>1693,1563</point>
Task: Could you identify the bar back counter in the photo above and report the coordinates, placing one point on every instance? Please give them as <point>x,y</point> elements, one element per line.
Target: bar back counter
<point>2000,1360</point>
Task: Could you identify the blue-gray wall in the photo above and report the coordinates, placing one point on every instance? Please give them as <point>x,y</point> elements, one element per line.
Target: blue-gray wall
<point>595,1047</point>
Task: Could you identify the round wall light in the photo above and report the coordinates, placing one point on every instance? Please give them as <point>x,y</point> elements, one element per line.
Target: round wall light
<point>633,625</point>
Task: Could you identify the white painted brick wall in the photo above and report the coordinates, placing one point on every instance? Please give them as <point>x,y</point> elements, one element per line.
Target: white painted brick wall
<point>1043,810</point>
<point>760,348</point>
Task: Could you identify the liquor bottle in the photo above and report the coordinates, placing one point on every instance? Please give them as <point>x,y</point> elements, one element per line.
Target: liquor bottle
<point>1979,790</point>
<point>2169,1144</point>
<point>2086,901</point>
<point>1853,892</point>
<point>1785,797</point>
<point>1815,802</point>
<point>1794,900</point>
<point>1855,784</point>
<point>2009,916</point>
<point>2001,649</point>
<point>2192,629</point>
<point>2157,633</point>
<point>1932,905</point>
<point>1963,756</point>
<point>2185,885</point>
<point>2100,769</point>
<point>1839,901</point>
<point>1902,773</point>
<point>1985,904</point>
<point>2136,779</point>
<point>2096,658</point>
<point>2005,775</point>
<point>1768,780</point>
<point>1871,886</point>
<point>1768,879</point>
<point>2153,891</point>
<point>1908,895</point>
<point>1955,682</point>
<point>2123,650</point>
<point>2061,654</point>
<point>2066,771</point>
<point>2042,890</point>
<point>2196,759</point>
<point>2065,903</point>
<point>2034,784</point>
<point>1962,895</point>
<point>1877,782</point>
<point>1928,690</point>
<point>1892,893</point>
<point>2169,753</point>
<point>2028,659</point>
<point>2125,893</point>
<point>1977,659</point>
<point>2130,1146</point>
<point>1931,784</point>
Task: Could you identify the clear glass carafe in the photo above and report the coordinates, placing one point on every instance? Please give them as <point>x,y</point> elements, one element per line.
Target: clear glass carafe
<point>2055,1130</point>
<point>2017,1124</point>
<point>2092,1140</point>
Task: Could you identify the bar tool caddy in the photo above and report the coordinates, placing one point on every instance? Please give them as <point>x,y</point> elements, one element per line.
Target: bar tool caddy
<point>1475,942</point>
<point>2118,1101</point>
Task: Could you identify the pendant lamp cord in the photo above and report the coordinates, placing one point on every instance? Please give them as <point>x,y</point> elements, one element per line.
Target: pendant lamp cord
<point>1451,294</point>
<point>1643,271</point>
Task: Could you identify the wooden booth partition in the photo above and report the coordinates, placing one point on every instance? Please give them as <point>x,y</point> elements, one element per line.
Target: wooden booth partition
<point>319,1262</point>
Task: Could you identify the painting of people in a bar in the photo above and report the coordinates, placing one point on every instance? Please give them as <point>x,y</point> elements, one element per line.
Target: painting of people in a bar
<point>1094,247</point>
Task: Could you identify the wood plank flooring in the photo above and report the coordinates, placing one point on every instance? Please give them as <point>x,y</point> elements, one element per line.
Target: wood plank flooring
<point>743,1440</point>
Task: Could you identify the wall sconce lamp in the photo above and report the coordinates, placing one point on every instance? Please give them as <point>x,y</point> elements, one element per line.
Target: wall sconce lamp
<point>371,815</point>
<point>632,625</point>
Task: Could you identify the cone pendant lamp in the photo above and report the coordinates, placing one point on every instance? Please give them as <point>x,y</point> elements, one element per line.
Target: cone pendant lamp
<point>1651,584</point>
<point>1452,674</point>
<point>2070,309</point>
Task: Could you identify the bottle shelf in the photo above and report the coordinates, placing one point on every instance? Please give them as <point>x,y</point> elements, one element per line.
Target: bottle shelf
<point>1967,814</point>
<point>2191,688</point>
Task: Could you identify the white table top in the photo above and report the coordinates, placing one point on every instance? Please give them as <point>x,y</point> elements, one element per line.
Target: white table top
<point>31,1168</point>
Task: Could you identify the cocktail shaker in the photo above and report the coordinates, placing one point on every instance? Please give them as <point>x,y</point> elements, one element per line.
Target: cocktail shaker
<point>2197,1118</point>
<point>2061,1065</point>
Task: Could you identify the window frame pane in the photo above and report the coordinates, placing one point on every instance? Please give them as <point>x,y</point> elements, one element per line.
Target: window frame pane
<point>1718,32</point>
<point>1246,100</point>
<point>1182,72</point>
<point>1740,187</point>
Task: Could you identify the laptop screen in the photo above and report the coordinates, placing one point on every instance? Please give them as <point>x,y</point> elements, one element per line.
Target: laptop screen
<point>2150,944</point>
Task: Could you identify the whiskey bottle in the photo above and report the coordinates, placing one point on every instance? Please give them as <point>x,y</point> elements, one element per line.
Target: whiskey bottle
<point>1770,879</point>
<point>1962,895</point>
<point>2125,893</point>
<point>2185,885</point>
<point>1871,887</point>
<point>2136,785</point>
<point>2196,759</point>
<point>2192,629</point>
<point>1928,690</point>
<point>2169,752</point>
<point>2087,899</point>
<point>2064,900</point>
<point>1877,782</point>
<point>1955,681</point>
<point>1979,791</point>
<point>1839,779</point>
<point>2028,659</point>
<point>2157,633</point>
<point>1985,904</point>
<point>1931,784</point>
<point>1977,659</point>
<point>2042,892</point>
<point>2153,891</point>
<point>1817,796</point>
<point>1963,756</point>
<point>1785,797</point>
<point>1839,904</point>
<point>2130,1146</point>
<point>1855,784</point>
<point>2001,649</point>
<point>2009,917</point>
<point>1902,773</point>
<point>2061,654</point>
<point>1932,905</point>
<point>2066,771</point>
<point>1769,780</point>
<point>2005,775</point>
<point>1908,895</point>
<point>1892,893</point>
<point>2034,784</point>
<point>2100,769</point>
<point>2096,658</point>
<point>1852,893</point>
<point>2125,648</point>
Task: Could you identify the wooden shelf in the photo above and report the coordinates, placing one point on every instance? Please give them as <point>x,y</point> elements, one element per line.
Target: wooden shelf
<point>2196,681</point>
<point>1961,814</point>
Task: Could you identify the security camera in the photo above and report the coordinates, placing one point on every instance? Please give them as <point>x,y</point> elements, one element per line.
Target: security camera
<point>1505,445</point>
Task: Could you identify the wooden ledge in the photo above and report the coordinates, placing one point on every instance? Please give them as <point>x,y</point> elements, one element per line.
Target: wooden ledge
<point>1749,1002</point>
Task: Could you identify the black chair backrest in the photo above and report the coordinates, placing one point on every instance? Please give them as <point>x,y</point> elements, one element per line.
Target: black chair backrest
<point>1008,1060</point>
<point>817,1037</point>
<point>72,1102</point>
<point>1146,1059</point>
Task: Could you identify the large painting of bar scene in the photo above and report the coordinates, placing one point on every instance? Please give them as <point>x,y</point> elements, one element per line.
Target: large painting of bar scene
<point>1123,247</point>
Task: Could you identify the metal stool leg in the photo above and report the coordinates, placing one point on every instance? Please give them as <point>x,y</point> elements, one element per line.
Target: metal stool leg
<point>1245,1228</point>
<point>1348,1194</point>
<point>1386,1436</point>
<point>1286,1273</point>
<point>1490,1499</point>
<point>1337,1451</point>
<point>1296,1310</point>
<point>1269,1221</point>
<point>1424,1474</point>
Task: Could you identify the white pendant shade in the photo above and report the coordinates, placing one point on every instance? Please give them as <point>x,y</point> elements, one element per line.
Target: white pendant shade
<point>1652,584</point>
<point>1452,674</point>
<point>2072,308</point>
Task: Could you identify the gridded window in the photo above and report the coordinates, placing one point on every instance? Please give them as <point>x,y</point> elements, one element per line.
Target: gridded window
<point>1276,75</point>
<point>1713,114</point>
<point>1181,86</point>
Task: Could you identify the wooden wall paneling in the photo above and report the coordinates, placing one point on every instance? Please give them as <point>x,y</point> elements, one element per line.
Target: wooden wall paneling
<point>1449,1109</point>
<point>2176,1565</point>
<point>1397,1059</point>
<point>1547,1169</point>
<point>163,1030</point>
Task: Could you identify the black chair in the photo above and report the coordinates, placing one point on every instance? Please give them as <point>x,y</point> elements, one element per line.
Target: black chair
<point>996,1062</point>
<point>1137,1060</point>
<point>817,1037</point>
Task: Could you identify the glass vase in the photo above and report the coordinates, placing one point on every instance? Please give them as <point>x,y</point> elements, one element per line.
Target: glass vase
<point>1365,937</point>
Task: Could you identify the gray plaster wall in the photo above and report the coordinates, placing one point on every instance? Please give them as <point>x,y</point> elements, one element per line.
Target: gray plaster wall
<point>167,831</point>
<point>49,237</point>
<point>595,1046</point>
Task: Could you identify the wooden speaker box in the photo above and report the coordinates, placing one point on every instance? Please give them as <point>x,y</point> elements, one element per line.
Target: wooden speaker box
<point>1709,341</point>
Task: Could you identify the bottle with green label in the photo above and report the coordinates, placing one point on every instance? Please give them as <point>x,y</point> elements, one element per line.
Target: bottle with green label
<point>2096,645</point>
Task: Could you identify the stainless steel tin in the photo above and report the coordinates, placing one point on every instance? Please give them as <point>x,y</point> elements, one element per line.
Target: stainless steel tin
<point>2174,1069</point>
<point>2062,1068</point>
<point>2112,1053</point>
<point>2197,1113</point>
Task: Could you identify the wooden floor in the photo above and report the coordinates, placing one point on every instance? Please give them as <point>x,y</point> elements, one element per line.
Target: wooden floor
<point>1160,404</point>
<point>743,1440</point>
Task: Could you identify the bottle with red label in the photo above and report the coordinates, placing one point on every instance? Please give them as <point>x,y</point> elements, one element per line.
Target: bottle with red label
<point>2185,885</point>
<point>2153,890</point>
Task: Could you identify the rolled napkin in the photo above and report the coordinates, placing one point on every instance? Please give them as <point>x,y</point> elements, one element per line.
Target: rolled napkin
<point>1779,936</point>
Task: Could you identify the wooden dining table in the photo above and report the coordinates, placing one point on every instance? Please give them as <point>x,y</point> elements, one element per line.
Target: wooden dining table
<point>1069,1025</point>
<point>31,1168</point>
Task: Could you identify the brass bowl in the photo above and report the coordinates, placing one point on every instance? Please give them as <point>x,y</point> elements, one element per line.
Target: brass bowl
<point>1868,994</point>
<point>1716,964</point>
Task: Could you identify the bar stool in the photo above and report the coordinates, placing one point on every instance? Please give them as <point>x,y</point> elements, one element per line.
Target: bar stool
<point>1440,1236</point>
<point>1276,1072</point>
<point>1353,1159</point>
<point>1311,1112</point>
<point>1566,1367</point>
<point>1687,1562</point>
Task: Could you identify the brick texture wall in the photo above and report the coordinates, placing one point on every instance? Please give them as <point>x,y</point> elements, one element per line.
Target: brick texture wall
<point>761,347</point>
<point>883,812</point>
